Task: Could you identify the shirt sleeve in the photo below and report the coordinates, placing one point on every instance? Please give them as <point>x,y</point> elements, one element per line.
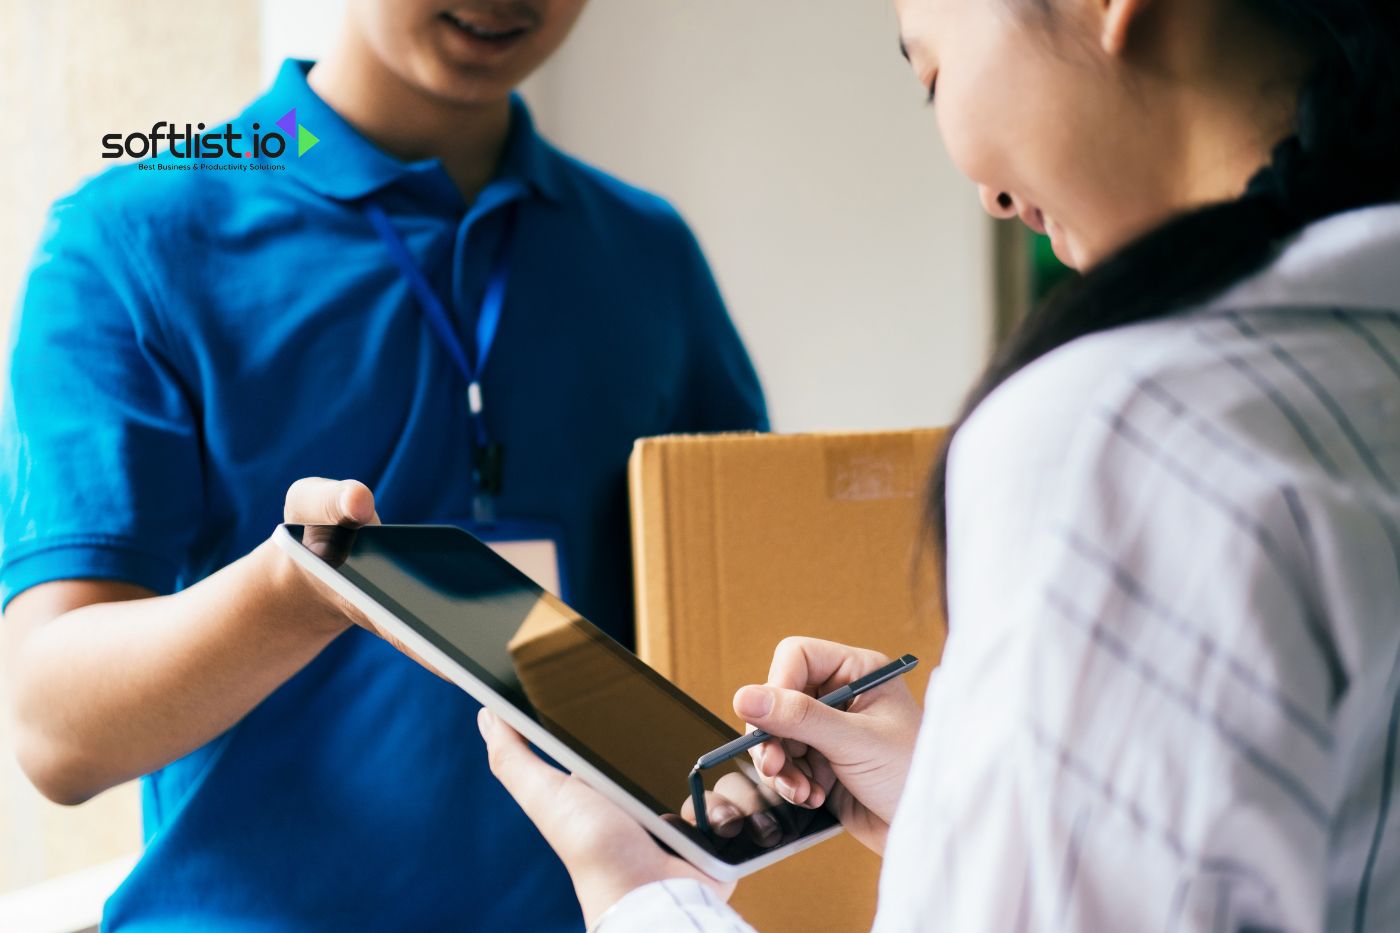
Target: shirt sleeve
<point>99,449</point>
<point>723,389</point>
<point>673,904</point>
<point>1135,729</point>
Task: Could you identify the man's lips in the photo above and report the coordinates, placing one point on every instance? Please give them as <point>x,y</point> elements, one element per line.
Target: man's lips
<point>489,28</point>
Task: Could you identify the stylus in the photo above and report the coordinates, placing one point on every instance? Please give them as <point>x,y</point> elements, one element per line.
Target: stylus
<point>836,698</point>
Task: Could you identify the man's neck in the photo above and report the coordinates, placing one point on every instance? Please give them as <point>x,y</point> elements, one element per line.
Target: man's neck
<point>408,123</point>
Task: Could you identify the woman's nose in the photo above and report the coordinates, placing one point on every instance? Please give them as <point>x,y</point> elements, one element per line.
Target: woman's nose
<point>997,203</point>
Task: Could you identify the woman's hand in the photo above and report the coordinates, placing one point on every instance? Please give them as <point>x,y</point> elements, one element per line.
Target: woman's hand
<point>853,762</point>
<point>606,852</point>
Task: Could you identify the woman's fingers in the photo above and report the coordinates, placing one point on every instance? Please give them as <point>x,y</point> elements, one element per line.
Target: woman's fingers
<point>754,801</point>
<point>817,665</point>
<point>534,784</point>
<point>314,500</point>
<point>771,758</point>
<point>813,781</point>
<point>795,777</point>
<point>738,805</point>
<point>822,774</point>
<point>795,784</point>
<point>726,819</point>
<point>791,714</point>
<point>793,748</point>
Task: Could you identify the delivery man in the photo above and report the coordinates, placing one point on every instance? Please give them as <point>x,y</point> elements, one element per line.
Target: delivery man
<point>406,285</point>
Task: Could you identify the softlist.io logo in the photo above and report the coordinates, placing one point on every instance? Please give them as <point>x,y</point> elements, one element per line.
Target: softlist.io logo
<point>195,148</point>
<point>305,139</point>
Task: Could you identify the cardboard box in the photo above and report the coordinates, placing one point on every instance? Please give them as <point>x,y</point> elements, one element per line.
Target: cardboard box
<point>742,539</point>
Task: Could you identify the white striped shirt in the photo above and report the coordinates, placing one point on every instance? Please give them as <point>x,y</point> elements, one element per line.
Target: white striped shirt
<point>1170,696</point>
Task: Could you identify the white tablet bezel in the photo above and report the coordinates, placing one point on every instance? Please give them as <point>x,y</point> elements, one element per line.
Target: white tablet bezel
<point>531,730</point>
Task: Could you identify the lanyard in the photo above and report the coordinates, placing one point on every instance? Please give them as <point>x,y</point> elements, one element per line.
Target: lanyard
<point>486,454</point>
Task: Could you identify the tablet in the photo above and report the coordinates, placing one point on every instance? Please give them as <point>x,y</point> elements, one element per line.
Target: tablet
<point>576,693</point>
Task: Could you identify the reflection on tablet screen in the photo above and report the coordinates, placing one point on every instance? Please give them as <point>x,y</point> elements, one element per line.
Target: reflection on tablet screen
<point>582,686</point>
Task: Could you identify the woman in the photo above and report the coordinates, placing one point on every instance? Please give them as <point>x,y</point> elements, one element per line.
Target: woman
<point>1170,694</point>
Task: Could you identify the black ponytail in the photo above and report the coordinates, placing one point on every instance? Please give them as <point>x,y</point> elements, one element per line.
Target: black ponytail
<point>1344,154</point>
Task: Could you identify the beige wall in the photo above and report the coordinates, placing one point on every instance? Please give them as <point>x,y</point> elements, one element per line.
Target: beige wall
<point>70,71</point>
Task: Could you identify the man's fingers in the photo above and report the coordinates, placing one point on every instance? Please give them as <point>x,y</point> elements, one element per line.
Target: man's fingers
<point>356,502</point>
<point>314,500</point>
<point>534,784</point>
<point>361,619</point>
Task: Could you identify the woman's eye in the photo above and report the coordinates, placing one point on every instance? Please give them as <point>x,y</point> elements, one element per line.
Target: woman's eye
<point>932,88</point>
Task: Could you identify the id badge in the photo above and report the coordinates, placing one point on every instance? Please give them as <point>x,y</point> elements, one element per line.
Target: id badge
<point>536,549</point>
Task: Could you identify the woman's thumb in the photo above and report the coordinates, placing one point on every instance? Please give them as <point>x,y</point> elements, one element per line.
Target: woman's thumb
<point>792,714</point>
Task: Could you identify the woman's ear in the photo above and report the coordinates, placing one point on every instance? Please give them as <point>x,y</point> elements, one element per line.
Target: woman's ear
<point>1118,18</point>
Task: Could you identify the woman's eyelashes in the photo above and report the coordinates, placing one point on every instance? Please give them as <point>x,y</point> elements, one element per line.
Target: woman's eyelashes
<point>932,89</point>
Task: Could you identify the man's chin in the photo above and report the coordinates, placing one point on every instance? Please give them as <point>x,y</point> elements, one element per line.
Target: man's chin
<point>454,88</point>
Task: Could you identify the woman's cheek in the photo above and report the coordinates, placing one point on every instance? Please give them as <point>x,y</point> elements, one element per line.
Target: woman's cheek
<point>971,140</point>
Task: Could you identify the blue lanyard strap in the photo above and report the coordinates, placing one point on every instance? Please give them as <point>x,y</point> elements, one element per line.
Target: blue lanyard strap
<point>486,455</point>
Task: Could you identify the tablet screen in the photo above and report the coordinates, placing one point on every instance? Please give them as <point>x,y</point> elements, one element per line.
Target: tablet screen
<point>578,683</point>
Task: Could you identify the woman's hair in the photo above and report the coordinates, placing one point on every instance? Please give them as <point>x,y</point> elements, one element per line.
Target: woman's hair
<point>1344,154</point>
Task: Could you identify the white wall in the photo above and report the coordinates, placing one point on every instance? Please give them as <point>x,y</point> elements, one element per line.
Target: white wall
<point>856,261</point>
<point>296,29</point>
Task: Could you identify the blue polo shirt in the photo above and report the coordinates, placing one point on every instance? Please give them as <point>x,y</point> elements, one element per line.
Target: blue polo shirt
<point>190,342</point>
